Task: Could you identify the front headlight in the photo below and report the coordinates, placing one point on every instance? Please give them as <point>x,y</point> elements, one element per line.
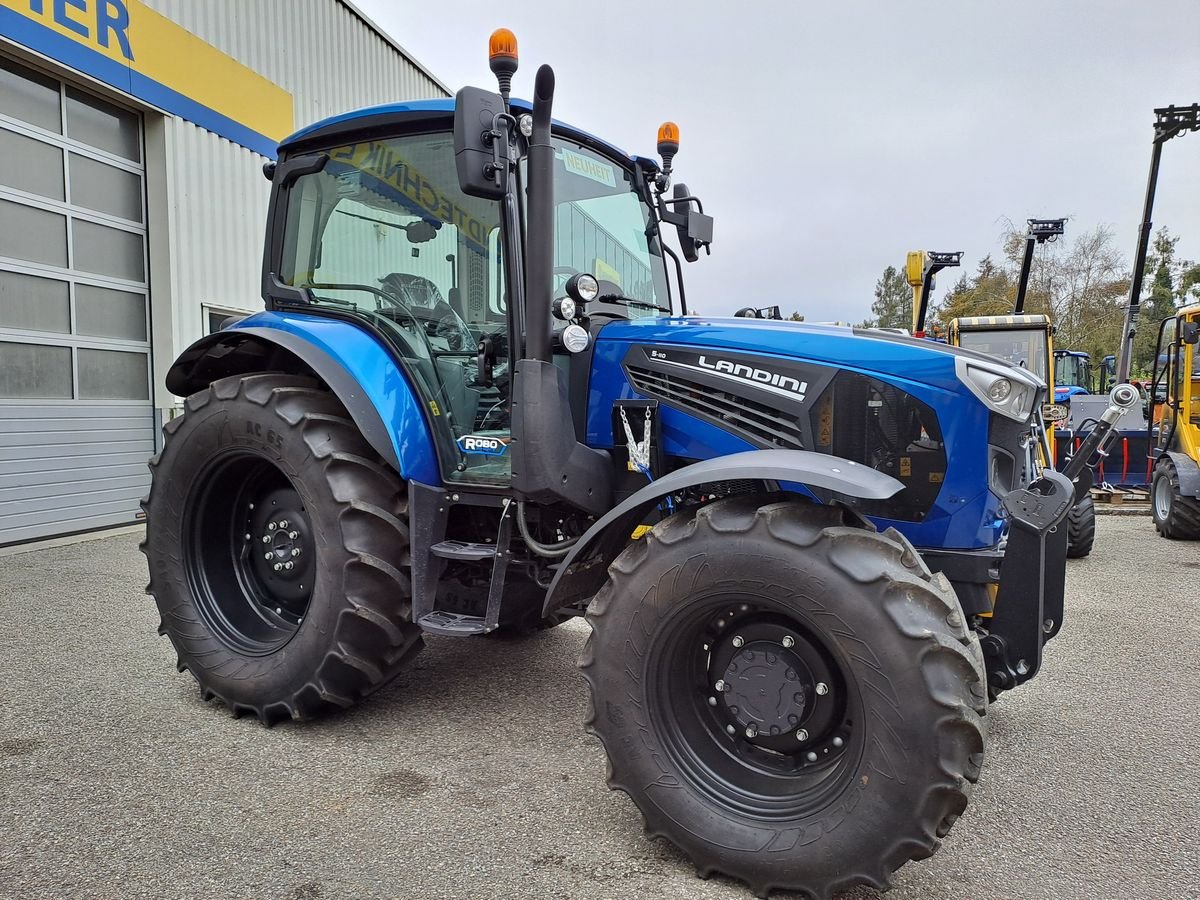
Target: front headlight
<point>1011,393</point>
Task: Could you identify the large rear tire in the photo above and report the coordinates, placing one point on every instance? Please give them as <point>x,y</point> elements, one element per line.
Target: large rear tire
<point>1081,528</point>
<point>1175,516</point>
<point>790,701</point>
<point>277,545</point>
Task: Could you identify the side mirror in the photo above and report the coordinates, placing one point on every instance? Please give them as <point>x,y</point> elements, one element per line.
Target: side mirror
<point>1189,333</point>
<point>695,229</point>
<point>480,152</point>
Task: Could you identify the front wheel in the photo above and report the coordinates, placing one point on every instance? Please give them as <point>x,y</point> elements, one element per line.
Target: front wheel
<point>791,701</point>
<point>277,545</point>
<point>1175,516</point>
<point>1081,528</point>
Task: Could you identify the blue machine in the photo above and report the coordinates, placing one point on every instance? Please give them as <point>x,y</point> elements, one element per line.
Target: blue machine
<point>1072,374</point>
<point>476,401</point>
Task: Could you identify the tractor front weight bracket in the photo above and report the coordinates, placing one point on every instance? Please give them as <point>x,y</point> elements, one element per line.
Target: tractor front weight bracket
<point>1029,604</point>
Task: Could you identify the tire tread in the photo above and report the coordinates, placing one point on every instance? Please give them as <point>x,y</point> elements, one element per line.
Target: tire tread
<point>950,658</point>
<point>374,638</point>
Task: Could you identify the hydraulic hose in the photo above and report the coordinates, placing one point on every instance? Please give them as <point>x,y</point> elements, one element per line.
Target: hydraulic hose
<point>548,551</point>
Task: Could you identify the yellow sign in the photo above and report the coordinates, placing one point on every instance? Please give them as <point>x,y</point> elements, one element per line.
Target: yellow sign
<point>606,272</point>
<point>129,46</point>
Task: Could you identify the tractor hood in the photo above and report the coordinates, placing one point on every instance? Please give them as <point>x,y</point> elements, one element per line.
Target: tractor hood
<point>863,349</point>
<point>896,404</point>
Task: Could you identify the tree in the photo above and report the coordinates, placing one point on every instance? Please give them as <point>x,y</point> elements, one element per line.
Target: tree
<point>893,302</point>
<point>991,292</point>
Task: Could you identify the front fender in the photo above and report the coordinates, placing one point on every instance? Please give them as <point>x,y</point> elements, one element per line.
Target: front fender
<point>357,368</point>
<point>1188,472</point>
<point>584,569</point>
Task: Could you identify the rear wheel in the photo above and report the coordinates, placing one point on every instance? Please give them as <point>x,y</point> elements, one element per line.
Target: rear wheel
<point>277,545</point>
<point>1175,515</point>
<point>1081,528</point>
<point>790,701</point>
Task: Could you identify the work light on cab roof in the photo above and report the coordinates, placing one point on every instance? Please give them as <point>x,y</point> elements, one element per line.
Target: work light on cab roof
<point>668,145</point>
<point>502,58</point>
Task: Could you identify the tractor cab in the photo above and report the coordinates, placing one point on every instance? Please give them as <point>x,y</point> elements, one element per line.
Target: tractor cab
<point>371,225</point>
<point>1072,374</point>
<point>1022,340</point>
<point>1175,401</point>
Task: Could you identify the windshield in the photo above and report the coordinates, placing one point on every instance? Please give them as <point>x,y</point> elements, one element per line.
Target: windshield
<point>600,228</point>
<point>1024,347</point>
<point>384,229</point>
<point>1072,371</point>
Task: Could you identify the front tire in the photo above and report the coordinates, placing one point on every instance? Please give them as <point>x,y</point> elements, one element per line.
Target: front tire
<point>1081,528</point>
<point>845,728</point>
<point>277,545</point>
<point>1175,516</point>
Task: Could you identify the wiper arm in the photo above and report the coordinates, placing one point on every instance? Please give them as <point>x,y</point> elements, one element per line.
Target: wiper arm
<point>629,301</point>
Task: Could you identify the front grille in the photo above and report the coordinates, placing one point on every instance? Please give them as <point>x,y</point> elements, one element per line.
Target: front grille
<point>758,423</point>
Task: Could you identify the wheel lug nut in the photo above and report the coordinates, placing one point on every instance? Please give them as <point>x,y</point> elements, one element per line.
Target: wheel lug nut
<point>271,526</point>
<point>822,688</point>
<point>838,742</point>
<point>267,556</point>
<point>802,735</point>
<point>289,565</point>
<point>266,539</point>
<point>293,534</point>
<point>789,641</point>
<point>738,640</point>
<point>721,685</point>
<point>295,551</point>
<point>751,731</point>
<point>278,566</point>
<point>283,523</point>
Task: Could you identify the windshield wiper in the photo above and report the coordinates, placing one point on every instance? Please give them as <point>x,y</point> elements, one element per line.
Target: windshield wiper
<point>629,301</point>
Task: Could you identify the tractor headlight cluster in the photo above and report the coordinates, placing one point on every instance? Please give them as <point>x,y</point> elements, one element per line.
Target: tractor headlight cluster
<point>1003,389</point>
<point>1000,389</point>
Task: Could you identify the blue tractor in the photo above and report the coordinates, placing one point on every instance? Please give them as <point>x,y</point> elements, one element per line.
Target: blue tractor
<point>1072,374</point>
<point>809,555</point>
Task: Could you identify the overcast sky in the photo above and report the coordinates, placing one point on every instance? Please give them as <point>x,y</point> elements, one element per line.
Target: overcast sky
<point>829,138</point>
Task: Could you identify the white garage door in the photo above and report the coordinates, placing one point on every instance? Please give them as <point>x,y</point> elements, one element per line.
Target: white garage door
<point>76,418</point>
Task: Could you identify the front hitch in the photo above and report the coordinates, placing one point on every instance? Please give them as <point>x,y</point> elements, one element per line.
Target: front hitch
<point>1029,603</point>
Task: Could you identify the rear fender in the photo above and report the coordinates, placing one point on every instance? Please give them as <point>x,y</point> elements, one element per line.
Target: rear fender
<point>352,363</point>
<point>585,568</point>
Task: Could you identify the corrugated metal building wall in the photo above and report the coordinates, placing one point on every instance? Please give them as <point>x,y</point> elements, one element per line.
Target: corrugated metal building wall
<point>202,90</point>
<point>329,59</point>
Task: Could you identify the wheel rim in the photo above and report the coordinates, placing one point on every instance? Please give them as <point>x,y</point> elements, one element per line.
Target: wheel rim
<point>251,558</point>
<point>1162,498</point>
<point>754,708</point>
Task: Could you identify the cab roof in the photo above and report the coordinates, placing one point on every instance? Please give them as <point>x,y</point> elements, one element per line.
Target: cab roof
<point>388,115</point>
<point>983,323</point>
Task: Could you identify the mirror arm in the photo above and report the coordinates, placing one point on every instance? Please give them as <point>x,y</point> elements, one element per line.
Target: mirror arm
<point>690,198</point>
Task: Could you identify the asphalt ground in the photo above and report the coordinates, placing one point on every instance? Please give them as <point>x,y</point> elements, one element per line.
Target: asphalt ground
<point>471,776</point>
